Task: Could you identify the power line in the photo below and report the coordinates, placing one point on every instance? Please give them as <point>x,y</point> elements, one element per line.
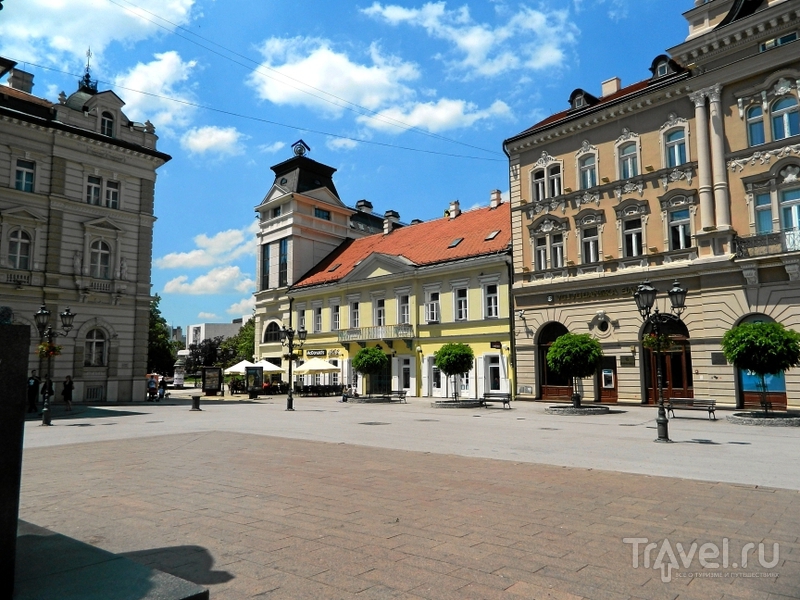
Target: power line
<point>348,105</point>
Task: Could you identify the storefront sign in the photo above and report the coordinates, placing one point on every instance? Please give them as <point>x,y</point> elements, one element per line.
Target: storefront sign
<point>627,361</point>
<point>601,294</point>
<point>316,352</point>
<point>718,358</point>
<point>497,345</point>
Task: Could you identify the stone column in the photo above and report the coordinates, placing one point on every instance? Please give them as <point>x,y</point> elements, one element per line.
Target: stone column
<point>705,191</point>
<point>720,174</point>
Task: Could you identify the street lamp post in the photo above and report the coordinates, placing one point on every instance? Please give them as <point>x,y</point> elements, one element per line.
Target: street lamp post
<point>287,339</point>
<point>42,319</point>
<point>645,297</point>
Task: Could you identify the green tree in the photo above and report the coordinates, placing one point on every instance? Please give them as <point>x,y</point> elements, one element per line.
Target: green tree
<point>240,346</point>
<point>369,361</point>
<point>575,355</point>
<point>763,349</point>
<point>454,359</point>
<point>160,350</point>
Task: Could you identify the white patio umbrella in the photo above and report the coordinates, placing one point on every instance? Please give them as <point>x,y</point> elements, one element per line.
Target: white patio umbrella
<point>269,367</point>
<point>315,365</point>
<point>238,368</point>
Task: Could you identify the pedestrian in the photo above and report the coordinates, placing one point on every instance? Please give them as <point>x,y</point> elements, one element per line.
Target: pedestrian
<point>162,388</point>
<point>47,391</point>
<point>33,391</point>
<point>152,388</point>
<point>67,392</point>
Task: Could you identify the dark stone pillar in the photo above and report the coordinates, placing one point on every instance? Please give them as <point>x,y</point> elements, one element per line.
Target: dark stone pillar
<point>15,344</point>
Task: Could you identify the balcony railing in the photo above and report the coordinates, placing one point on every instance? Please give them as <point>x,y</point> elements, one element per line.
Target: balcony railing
<point>378,332</point>
<point>766,244</point>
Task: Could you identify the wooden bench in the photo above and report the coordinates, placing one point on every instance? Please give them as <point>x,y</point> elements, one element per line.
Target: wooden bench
<point>708,404</point>
<point>398,395</point>
<point>504,397</point>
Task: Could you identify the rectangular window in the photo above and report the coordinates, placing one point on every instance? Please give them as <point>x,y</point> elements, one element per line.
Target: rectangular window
<point>432,308</point>
<point>774,43</point>
<point>494,373</point>
<point>540,254</point>
<point>464,381</point>
<point>538,186</point>
<point>632,229</point>
<point>461,304</point>
<point>112,194</point>
<point>264,266</point>
<point>335,375</point>
<point>588,172</point>
<point>24,176</point>
<point>437,378</point>
<point>763,213</point>
<point>94,186</point>
<point>755,125</point>
<point>317,319</point>
<point>680,233</point>
<point>555,181</point>
<point>322,214</point>
<point>591,245</point>
<point>301,319</point>
<point>354,320</point>
<point>335,322</point>
<point>676,148</point>
<point>557,250</point>
<point>406,373</point>
<point>405,310</point>
<point>380,312</point>
<point>276,212</point>
<point>283,263</point>
<point>492,302</point>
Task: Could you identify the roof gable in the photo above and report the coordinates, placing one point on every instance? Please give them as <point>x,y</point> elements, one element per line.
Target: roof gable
<point>378,264</point>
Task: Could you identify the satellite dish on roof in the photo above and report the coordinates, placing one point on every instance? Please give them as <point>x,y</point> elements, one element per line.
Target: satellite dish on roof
<point>300,148</point>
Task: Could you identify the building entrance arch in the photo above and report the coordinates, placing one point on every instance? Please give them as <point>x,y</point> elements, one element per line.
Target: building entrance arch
<point>676,364</point>
<point>551,385</point>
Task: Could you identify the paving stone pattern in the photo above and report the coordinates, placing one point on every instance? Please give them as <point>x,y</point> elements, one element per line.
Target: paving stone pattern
<point>265,517</point>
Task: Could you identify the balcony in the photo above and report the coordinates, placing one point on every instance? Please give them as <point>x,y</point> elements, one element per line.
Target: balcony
<point>378,332</point>
<point>766,244</point>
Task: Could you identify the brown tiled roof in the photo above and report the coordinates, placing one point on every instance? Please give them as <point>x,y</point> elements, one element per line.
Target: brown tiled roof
<point>423,244</point>
<point>15,93</point>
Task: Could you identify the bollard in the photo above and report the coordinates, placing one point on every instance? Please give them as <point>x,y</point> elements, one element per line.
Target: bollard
<point>196,403</point>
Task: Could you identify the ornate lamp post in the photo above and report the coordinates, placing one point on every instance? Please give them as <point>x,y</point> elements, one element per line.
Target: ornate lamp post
<point>645,297</point>
<point>287,339</point>
<point>42,319</point>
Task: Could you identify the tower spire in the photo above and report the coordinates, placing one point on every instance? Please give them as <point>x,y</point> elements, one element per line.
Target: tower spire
<point>86,84</point>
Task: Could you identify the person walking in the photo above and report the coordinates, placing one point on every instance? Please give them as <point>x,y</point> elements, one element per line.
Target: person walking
<point>162,388</point>
<point>33,391</point>
<point>152,388</point>
<point>47,391</point>
<point>67,392</point>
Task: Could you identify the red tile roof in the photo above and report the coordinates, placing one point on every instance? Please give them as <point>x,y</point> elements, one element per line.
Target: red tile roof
<point>15,93</point>
<point>423,243</point>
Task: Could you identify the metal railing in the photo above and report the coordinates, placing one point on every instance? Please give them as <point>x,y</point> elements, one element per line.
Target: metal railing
<point>765,244</point>
<point>378,332</point>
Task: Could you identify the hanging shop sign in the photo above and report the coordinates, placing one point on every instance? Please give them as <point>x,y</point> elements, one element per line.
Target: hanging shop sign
<point>311,353</point>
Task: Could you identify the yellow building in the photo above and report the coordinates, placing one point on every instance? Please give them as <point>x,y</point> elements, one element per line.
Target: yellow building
<point>691,174</point>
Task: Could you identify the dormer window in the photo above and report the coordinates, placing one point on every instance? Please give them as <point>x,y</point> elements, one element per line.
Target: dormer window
<point>578,102</point>
<point>662,69</point>
<point>107,124</point>
<point>581,99</point>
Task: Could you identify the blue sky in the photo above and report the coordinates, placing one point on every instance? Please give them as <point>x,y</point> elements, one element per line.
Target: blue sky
<point>409,101</point>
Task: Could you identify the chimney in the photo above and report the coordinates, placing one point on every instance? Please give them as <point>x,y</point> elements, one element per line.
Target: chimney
<point>416,221</point>
<point>390,220</point>
<point>611,86</point>
<point>455,209</point>
<point>20,80</point>
<point>364,206</point>
<point>495,199</point>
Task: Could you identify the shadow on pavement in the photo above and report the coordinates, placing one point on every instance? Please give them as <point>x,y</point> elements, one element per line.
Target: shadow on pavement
<point>192,563</point>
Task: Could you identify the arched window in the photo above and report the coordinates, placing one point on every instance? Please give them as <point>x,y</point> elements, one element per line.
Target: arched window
<point>628,163</point>
<point>785,118</point>
<point>273,333</point>
<point>676,148</point>
<point>588,172</point>
<point>19,249</point>
<point>95,349</point>
<point>100,260</point>
<point>755,125</point>
<point>107,124</point>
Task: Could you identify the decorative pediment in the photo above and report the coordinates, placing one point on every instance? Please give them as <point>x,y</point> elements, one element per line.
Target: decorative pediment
<point>676,175</point>
<point>587,198</point>
<point>20,213</point>
<point>676,201</point>
<point>586,148</point>
<point>545,160</point>
<point>632,208</point>
<point>790,173</point>
<point>673,121</point>
<point>379,265</point>
<point>627,134</point>
<point>589,217</point>
<point>103,223</point>
<point>629,187</point>
<point>546,207</point>
<point>547,225</point>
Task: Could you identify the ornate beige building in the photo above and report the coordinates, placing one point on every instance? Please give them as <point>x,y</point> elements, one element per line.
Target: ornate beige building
<point>691,174</point>
<point>77,181</point>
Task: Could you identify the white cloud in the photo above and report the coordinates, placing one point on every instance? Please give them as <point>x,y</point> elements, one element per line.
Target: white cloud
<point>244,307</point>
<point>341,144</point>
<point>272,148</point>
<point>438,116</point>
<point>221,280</point>
<point>532,39</point>
<point>223,247</point>
<point>164,77</point>
<point>287,61</point>
<point>223,141</point>
<point>206,315</point>
<point>53,31</point>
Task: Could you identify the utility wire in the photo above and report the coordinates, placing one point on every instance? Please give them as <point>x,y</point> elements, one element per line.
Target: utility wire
<point>260,68</point>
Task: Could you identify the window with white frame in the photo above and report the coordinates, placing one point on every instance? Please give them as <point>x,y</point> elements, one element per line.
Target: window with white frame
<point>94,188</point>
<point>755,125</point>
<point>272,333</point>
<point>301,318</point>
<point>354,316</point>
<point>590,244</point>
<point>335,318</point>
<point>335,374</point>
<point>404,311</point>
<point>557,250</point>
<point>100,260</point>
<point>112,194</point>
<point>492,301</point>
<point>554,180</point>
<point>436,378</point>
<point>24,176</point>
<point>763,206</point>
<point>494,373</point>
<point>779,41</point>
<point>785,118</point>
<point>538,187</point>
<point>95,349</point>
<point>790,219</point>
<point>317,319</point>
<point>460,295</point>
<point>464,381</point>
<point>540,253</point>
<point>632,236</point>
<point>680,231</point>
<point>675,145</point>
<point>432,307</point>
<point>380,312</point>
<point>107,124</point>
<point>588,171</point>
<point>628,161</point>
<point>19,250</point>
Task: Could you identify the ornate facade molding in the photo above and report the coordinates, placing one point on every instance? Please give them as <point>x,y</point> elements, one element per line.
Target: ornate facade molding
<point>790,174</point>
<point>631,210</point>
<point>762,158</point>
<point>546,207</point>
<point>544,160</point>
<point>549,225</point>
<point>587,198</point>
<point>675,175</point>
<point>629,188</point>
<point>586,148</point>
<point>627,134</point>
<point>677,201</point>
<point>783,86</point>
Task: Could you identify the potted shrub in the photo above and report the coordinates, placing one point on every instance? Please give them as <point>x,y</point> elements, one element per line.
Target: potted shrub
<point>369,361</point>
<point>575,355</point>
<point>454,359</point>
